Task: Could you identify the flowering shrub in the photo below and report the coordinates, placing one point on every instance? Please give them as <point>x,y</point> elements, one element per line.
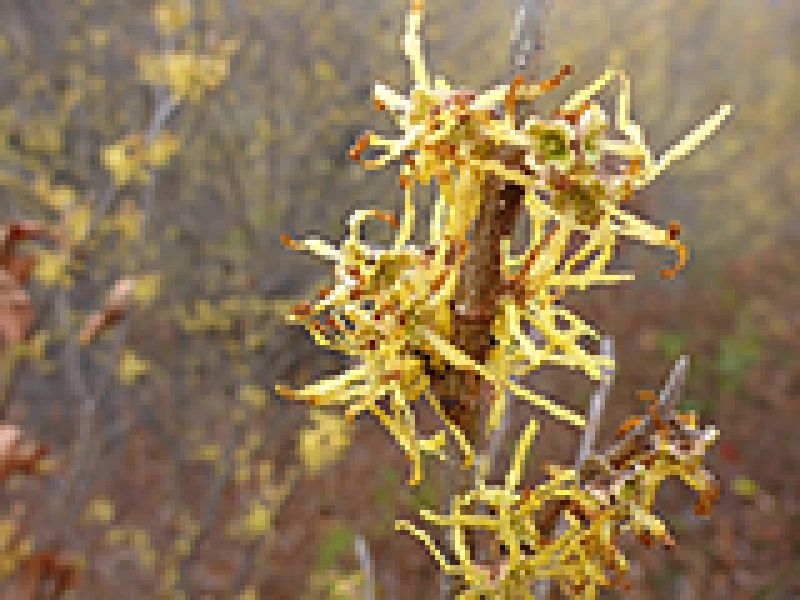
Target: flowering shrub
<point>394,309</point>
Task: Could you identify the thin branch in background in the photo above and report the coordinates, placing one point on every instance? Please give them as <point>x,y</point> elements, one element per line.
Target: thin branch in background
<point>496,439</point>
<point>213,502</point>
<point>671,391</point>
<point>597,405</point>
<point>76,379</point>
<point>526,35</point>
<point>366,566</point>
<point>667,398</point>
<point>684,590</point>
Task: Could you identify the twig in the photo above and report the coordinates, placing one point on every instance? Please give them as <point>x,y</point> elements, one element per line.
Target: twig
<point>496,439</point>
<point>677,377</point>
<point>526,36</point>
<point>367,569</point>
<point>481,279</point>
<point>667,398</point>
<point>596,407</point>
<point>75,375</point>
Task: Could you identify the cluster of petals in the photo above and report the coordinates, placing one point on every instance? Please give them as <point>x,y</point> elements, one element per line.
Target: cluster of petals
<point>568,528</point>
<point>391,310</point>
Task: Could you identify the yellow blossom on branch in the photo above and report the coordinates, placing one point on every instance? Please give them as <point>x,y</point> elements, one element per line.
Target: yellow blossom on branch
<point>572,167</point>
<point>567,529</point>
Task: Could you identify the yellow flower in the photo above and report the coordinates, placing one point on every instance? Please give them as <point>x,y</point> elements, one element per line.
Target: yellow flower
<point>566,528</point>
<point>323,442</point>
<point>172,15</point>
<point>560,162</point>
<point>384,305</point>
<point>390,309</point>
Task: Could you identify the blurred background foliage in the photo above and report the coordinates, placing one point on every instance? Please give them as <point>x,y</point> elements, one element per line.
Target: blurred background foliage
<point>172,142</point>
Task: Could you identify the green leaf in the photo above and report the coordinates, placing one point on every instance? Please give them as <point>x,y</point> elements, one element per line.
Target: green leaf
<point>737,355</point>
<point>337,541</point>
<point>671,344</point>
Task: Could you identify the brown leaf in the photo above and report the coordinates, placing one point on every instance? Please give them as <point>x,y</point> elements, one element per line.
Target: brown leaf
<point>22,231</point>
<point>10,436</point>
<point>117,304</point>
<point>20,267</point>
<point>16,312</point>
<point>47,571</point>
<point>16,454</point>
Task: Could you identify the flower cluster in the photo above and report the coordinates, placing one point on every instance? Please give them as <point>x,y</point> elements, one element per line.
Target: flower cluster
<point>392,311</point>
<point>574,169</point>
<point>383,310</point>
<point>568,528</point>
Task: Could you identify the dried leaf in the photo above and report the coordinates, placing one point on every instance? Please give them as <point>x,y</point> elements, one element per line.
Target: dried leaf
<point>22,231</point>
<point>47,567</point>
<point>117,304</point>
<point>16,312</point>
<point>18,455</point>
<point>10,436</point>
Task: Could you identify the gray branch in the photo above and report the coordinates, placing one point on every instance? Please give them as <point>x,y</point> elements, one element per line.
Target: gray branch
<point>597,405</point>
<point>527,35</point>
<point>367,569</point>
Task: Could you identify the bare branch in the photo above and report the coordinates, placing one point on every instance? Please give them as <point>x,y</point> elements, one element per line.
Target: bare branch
<point>366,566</point>
<point>667,398</point>
<point>527,35</point>
<point>596,406</point>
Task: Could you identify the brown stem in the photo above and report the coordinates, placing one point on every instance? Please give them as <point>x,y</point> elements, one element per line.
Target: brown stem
<point>480,285</point>
<point>481,281</point>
